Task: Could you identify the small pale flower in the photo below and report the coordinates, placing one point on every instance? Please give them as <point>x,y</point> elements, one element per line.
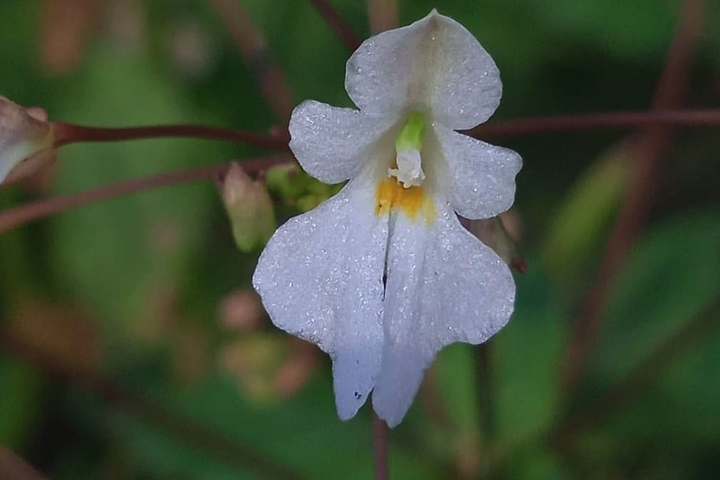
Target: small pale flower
<point>382,276</point>
<point>24,133</point>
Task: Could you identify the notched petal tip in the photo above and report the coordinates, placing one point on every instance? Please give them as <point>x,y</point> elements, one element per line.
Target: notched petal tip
<point>434,63</point>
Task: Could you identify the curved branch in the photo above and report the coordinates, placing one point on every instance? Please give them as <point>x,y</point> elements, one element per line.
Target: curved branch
<point>340,27</point>
<point>597,121</point>
<point>68,133</point>
<point>38,209</point>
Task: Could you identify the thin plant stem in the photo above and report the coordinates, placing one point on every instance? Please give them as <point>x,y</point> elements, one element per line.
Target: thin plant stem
<point>383,15</point>
<point>68,133</point>
<point>596,121</point>
<point>486,405</point>
<point>12,467</point>
<point>486,389</point>
<point>220,446</point>
<point>32,211</point>
<point>340,27</point>
<point>645,175</point>
<point>253,49</point>
<point>641,376</point>
<point>380,448</point>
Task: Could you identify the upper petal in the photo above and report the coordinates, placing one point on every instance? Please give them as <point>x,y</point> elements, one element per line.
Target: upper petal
<point>435,63</point>
<point>320,278</point>
<point>332,143</point>
<point>443,286</point>
<point>481,177</point>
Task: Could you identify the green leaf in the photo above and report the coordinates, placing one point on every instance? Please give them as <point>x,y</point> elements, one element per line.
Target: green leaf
<point>115,255</point>
<point>527,352</point>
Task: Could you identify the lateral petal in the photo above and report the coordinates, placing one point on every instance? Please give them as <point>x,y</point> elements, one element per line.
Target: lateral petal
<point>332,144</point>
<point>443,286</point>
<point>481,176</point>
<point>321,278</point>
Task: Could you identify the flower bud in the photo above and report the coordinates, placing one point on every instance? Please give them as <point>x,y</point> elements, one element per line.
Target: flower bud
<point>25,134</point>
<point>250,209</point>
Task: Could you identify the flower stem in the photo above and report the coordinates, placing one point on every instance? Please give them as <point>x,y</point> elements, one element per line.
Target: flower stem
<point>483,361</point>
<point>36,210</point>
<point>68,133</point>
<point>380,448</point>
<point>383,15</point>
<point>336,23</point>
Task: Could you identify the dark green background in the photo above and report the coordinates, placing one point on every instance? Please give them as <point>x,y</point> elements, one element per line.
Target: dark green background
<point>148,271</point>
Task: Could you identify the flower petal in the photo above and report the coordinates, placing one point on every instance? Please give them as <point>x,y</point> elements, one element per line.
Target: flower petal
<point>481,176</point>
<point>434,63</point>
<point>332,143</point>
<point>443,286</point>
<point>320,278</point>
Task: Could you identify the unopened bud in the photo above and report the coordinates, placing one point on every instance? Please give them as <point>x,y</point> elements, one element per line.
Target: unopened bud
<point>250,209</point>
<point>25,134</point>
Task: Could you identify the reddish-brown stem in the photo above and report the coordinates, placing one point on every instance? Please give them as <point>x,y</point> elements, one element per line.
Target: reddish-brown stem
<point>36,210</point>
<point>486,395</point>
<point>220,446</point>
<point>68,133</point>
<point>640,377</point>
<point>252,47</point>
<point>383,15</point>
<point>336,23</point>
<point>380,448</point>
<point>596,121</point>
<point>12,467</point>
<point>651,150</point>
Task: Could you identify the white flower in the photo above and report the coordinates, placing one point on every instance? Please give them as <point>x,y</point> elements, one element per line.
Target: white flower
<point>23,134</point>
<point>382,276</point>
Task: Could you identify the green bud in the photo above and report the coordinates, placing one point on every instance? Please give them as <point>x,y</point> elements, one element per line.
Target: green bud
<point>249,208</point>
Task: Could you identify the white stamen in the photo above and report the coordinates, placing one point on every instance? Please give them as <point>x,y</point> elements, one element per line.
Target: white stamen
<point>409,171</point>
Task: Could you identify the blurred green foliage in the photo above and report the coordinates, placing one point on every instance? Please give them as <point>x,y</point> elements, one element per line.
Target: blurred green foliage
<point>150,270</point>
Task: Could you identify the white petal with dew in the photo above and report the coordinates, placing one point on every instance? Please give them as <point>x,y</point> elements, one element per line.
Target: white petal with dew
<point>332,144</point>
<point>481,176</point>
<point>443,286</point>
<point>434,63</point>
<point>321,278</point>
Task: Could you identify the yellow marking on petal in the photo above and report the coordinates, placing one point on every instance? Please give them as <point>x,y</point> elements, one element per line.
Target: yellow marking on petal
<point>412,201</point>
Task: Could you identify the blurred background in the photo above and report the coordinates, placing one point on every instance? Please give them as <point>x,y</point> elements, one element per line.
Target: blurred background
<point>133,348</point>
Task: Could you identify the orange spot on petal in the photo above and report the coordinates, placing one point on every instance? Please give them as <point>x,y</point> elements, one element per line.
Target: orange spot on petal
<point>412,201</point>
